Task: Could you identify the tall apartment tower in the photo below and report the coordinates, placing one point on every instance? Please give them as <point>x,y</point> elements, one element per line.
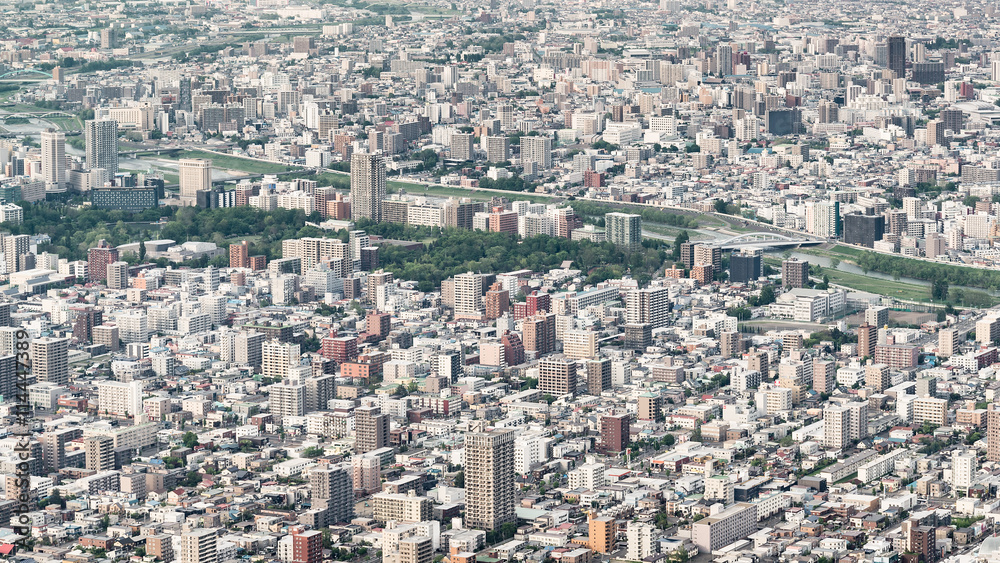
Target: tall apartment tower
<point>54,160</point>
<point>794,273</point>
<point>993,433</point>
<point>598,376</point>
<point>49,360</point>
<point>897,55</point>
<point>199,546</point>
<point>101,138</point>
<point>867,339</point>
<point>836,427</point>
<point>367,186</point>
<point>333,491</point>
<point>98,260</point>
<point>371,428</point>
<point>239,255</point>
<point>118,275</point>
<point>100,453</point>
<point>557,376</point>
<point>489,478</point>
<point>624,230</point>
<point>195,176</point>
<point>469,295</point>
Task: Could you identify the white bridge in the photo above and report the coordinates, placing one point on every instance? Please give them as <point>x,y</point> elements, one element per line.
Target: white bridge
<point>765,240</point>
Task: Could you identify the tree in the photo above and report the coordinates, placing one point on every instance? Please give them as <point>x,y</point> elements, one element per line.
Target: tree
<point>190,440</point>
<point>460,479</point>
<point>720,206</point>
<point>682,238</point>
<point>669,440</point>
<point>939,290</point>
<point>312,451</point>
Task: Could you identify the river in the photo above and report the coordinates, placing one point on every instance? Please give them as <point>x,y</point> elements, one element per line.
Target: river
<point>850,268</point>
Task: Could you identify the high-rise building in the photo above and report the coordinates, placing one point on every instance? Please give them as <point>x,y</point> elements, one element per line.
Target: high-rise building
<point>794,273</point>
<point>557,376</point>
<point>119,399</point>
<point>537,150</point>
<point>287,398</point>
<point>100,453</point>
<point>624,230</point>
<point>598,376</point>
<point>602,532</point>
<point>993,433</point>
<point>497,148</point>
<point>49,360</point>
<point>332,491</point>
<point>947,339</point>
<point>614,432</point>
<point>195,176</point>
<point>98,259</point>
<point>307,546</point>
<point>461,146</point>
<point>14,247</point>
<point>239,255</point>
<point>897,55</point>
<point>867,340</point>
<point>367,186</point>
<point>540,334</point>
<point>371,428</point>
<point>648,306</point>
<point>863,230</point>
<point>836,420</point>
<point>54,160</point>
<point>117,275</point>
<point>744,268</point>
<point>489,478</point>
<point>101,138</point>
<point>468,296</point>
<point>729,344</point>
<point>199,546</point>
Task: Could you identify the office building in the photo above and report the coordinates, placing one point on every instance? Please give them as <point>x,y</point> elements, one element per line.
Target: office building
<point>195,176</point>
<point>489,478</point>
<point>897,55</point>
<point>101,140</point>
<point>54,160</point>
<point>744,268</point>
<point>863,230</point>
<point>367,186</point>
<point>624,230</point>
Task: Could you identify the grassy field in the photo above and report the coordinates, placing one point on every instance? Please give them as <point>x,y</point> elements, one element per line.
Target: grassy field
<point>899,290</point>
<point>669,231</point>
<point>235,163</point>
<point>67,123</point>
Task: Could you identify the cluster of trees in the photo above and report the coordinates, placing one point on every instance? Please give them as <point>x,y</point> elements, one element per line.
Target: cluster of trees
<point>494,43</point>
<point>74,230</point>
<point>898,267</point>
<point>456,252</point>
<point>513,183</point>
<point>593,210</point>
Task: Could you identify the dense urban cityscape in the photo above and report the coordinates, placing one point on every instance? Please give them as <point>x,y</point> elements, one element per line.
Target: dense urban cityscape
<point>430,281</point>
